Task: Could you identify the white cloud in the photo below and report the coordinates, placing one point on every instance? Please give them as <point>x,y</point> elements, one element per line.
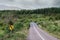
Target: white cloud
<point>29,4</point>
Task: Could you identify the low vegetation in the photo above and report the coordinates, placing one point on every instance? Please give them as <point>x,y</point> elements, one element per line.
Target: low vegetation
<point>48,18</point>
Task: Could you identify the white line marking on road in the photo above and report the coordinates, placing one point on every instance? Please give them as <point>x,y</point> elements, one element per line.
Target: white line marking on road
<point>39,34</point>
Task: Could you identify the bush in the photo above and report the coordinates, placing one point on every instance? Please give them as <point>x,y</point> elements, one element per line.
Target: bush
<point>43,24</point>
<point>1,24</point>
<point>58,28</point>
<point>6,29</point>
<point>18,26</point>
<point>1,33</point>
<point>56,24</point>
<point>52,28</point>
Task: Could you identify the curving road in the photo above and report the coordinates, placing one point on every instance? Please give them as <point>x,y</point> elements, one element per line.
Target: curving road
<point>36,33</point>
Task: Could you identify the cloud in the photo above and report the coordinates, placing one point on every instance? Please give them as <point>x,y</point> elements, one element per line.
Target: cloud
<point>30,4</point>
<point>57,3</point>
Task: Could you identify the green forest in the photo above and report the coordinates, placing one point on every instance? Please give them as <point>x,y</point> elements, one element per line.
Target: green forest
<point>34,11</point>
<point>48,18</point>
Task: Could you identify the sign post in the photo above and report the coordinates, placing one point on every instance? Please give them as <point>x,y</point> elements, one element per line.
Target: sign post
<point>11,27</point>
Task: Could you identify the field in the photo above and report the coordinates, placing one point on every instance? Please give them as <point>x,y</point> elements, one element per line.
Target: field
<point>49,23</point>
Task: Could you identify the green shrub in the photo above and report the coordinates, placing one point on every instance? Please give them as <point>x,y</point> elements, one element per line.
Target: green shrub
<point>6,29</point>
<point>1,33</point>
<point>43,24</point>
<point>52,28</point>
<point>18,26</point>
<point>1,24</point>
<point>56,24</point>
<point>58,28</point>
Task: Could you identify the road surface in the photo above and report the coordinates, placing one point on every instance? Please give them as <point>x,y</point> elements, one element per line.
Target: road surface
<point>36,33</point>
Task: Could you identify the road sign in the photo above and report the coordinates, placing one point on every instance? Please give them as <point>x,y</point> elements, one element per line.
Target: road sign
<point>11,27</point>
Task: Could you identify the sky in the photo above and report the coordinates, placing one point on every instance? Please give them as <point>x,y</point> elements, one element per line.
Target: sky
<point>28,4</point>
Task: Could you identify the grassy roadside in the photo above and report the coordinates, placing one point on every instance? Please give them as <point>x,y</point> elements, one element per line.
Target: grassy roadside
<point>50,23</point>
<point>52,27</point>
<point>20,32</point>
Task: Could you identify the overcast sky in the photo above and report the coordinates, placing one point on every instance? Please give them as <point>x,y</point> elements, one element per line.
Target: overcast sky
<point>29,4</point>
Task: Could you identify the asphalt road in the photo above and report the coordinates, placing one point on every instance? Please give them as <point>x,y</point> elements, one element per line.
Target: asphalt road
<point>35,33</point>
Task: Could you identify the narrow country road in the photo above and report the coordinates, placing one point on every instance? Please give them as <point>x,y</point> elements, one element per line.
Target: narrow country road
<point>36,33</point>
